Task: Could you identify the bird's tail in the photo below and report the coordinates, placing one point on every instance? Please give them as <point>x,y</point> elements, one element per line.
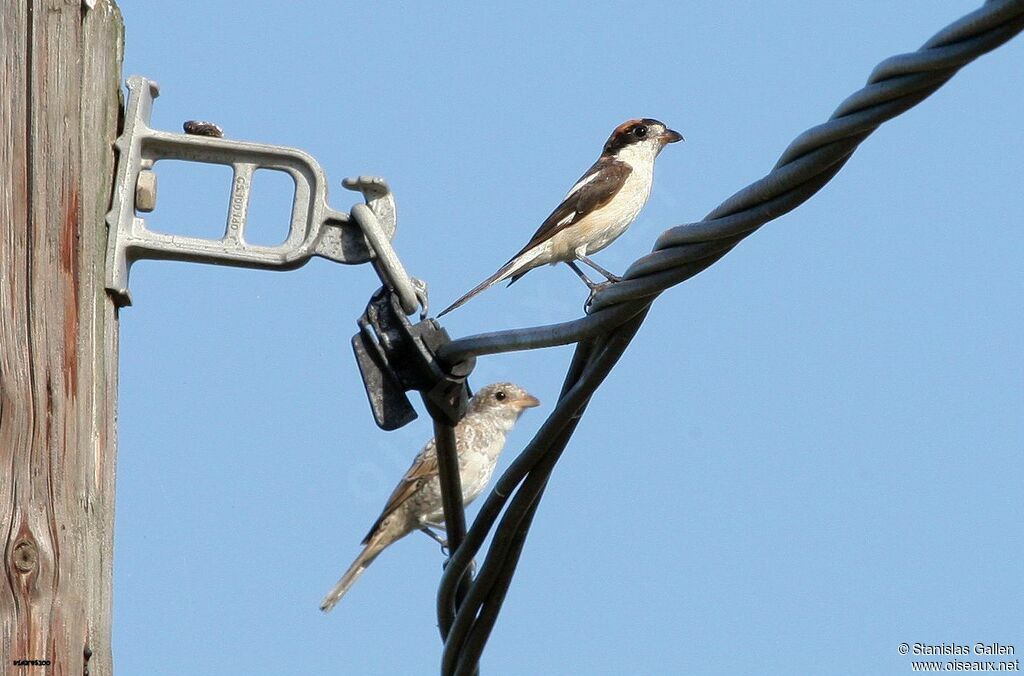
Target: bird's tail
<point>507,270</point>
<point>362,562</point>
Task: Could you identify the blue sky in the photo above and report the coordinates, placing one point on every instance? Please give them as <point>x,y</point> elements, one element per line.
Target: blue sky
<point>811,452</point>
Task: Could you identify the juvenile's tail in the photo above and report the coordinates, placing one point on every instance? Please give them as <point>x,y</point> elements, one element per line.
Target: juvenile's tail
<point>514,268</point>
<point>362,562</point>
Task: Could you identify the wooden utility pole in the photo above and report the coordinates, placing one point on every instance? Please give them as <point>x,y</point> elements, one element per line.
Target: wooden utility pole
<point>59,99</point>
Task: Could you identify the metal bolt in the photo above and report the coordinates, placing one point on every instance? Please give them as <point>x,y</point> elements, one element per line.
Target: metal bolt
<point>202,128</point>
<point>145,191</point>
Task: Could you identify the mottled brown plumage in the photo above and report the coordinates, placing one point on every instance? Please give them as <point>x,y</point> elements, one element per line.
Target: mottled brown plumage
<point>415,504</point>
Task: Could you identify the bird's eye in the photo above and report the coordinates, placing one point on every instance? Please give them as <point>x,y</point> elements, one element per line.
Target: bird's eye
<point>640,131</point>
<point>500,395</point>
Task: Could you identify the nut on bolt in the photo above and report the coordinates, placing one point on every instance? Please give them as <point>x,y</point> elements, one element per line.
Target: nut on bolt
<point>145,191</point>
<point>203,128</point>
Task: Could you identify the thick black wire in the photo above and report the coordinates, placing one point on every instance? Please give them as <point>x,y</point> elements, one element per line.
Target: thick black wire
<point>589,366</point>
<point>510,536</point>
<point>451,496</point>
<point>586,366</point>
<point>536,337</point>
<point>473,648</point>
<point>462,558</point>
<point>809,162</point>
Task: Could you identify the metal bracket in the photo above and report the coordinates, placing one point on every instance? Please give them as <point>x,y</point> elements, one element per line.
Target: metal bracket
<point>315,228</point>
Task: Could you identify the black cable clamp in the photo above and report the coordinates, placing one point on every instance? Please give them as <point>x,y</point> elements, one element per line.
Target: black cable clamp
<point>396,356</point>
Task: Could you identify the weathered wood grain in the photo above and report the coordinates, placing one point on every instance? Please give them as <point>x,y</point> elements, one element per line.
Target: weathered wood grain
<point>59,99</point>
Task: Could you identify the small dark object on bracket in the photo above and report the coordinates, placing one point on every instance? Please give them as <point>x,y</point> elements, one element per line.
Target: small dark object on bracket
<point>201,128</point>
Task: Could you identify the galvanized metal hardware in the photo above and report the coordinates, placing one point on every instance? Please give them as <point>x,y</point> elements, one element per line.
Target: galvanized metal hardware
<point>315,229</point>
<point>396,356</point>
<point>380,207</point>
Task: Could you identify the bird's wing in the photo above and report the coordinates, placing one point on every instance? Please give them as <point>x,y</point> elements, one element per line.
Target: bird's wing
<point>423,467</point>
<point>597,187</point>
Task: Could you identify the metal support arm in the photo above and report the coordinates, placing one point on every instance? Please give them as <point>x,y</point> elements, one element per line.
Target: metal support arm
<point>315,228</point>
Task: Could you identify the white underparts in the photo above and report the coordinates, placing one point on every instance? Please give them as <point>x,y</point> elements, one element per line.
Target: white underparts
<point>599,228</point>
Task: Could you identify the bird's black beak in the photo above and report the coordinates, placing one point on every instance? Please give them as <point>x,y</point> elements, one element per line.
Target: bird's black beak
<point>671,136</point>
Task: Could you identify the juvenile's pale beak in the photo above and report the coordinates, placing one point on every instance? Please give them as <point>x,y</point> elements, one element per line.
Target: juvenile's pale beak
<point>671,136</point>
<point>527,401</point>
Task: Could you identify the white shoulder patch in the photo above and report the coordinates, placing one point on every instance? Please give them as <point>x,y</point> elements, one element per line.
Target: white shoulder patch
<point>582,182</point>
<point>568,218</point>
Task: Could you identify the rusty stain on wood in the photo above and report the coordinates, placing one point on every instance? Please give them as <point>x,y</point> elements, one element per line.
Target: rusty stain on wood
<point>69,253</point>
<point>60,71</point>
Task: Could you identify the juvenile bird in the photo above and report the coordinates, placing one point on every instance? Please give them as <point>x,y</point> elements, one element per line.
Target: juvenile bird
<point>415,503</point>
<point>597,209</point>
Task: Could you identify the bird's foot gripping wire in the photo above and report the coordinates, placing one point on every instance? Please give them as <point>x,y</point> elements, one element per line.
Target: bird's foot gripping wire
<point>595,287</point>
<point>436,538</point>
<point>607,275</point>
<point>592,285</point>
<point>470,571</point>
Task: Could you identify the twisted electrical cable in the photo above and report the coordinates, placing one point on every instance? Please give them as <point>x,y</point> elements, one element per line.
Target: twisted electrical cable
<point>616,311</point>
